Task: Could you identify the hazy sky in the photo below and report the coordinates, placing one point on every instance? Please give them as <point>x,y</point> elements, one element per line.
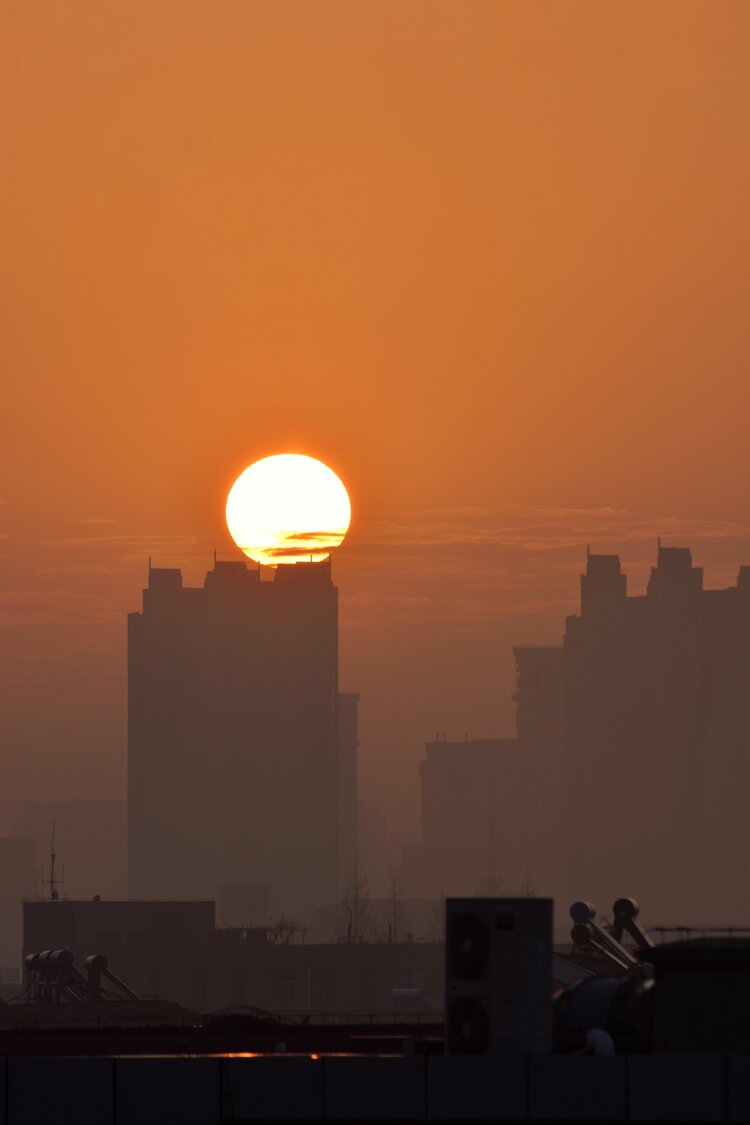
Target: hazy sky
<point>488,260</point>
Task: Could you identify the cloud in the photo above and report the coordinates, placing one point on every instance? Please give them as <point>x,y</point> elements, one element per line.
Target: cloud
<point>316,536</point>
<point>83,569</point>
<point>292,551</point>
<point>537,529</point>
<point>30,607</point>
<point>466,567</point>
<point>125,541</point>
<point>474,566</point>
<point>127,552</point>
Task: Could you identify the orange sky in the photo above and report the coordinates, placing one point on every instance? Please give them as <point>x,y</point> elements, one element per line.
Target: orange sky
<point>488,260</point>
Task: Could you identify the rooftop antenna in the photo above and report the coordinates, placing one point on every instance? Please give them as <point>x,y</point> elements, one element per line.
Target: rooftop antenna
<point>53,881</point>
<point>214,558</point>
<point>491,856</point>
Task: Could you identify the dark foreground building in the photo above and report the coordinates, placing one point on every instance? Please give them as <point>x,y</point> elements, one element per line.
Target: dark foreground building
<point>173,950</point>
<point>649,1033</point>
<point>238,774</point>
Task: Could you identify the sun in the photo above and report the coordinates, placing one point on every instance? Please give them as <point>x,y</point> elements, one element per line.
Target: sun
<point>288,508</point>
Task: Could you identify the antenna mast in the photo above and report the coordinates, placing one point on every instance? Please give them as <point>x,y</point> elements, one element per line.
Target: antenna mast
<point>491,846</point>
<point>53,881</point>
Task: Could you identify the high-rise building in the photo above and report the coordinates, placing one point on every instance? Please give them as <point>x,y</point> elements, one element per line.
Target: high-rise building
<point>469,815</point>
<point>238,773</point>
<point>650,742</point>
<point>630,773</point>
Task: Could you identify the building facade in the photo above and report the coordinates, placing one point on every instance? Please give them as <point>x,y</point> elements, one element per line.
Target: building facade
<point>657,739</point>
<point>630,771</point>
<point>469,794</point>
<point>234,751</point>
<point>173,951</point>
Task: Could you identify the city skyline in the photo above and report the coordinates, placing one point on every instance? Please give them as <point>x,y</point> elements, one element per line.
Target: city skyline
<point>496,283</point>
<point>490,281</point>
<point>485,596</point>
<point>374,560</point>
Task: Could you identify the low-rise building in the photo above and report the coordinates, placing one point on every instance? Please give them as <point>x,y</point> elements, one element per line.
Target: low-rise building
<point>172,950</point>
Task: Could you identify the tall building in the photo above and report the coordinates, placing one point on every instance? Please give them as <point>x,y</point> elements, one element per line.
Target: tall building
<point>470,814</point>
<point>238,773</point>
<point>630,772</point>
<point>651,743</point>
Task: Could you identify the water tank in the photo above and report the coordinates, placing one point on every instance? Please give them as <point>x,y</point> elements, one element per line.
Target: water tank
<point>622,1008</point>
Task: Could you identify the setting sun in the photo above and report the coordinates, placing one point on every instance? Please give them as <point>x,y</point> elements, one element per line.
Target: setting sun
<point>288,508</point>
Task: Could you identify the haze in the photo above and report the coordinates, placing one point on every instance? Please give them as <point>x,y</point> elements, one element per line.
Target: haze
<point>489,261</point>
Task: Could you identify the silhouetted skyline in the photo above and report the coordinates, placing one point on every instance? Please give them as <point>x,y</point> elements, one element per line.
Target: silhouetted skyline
<point>500,291</point>
<point>458,289</point>
<point>629,771</point>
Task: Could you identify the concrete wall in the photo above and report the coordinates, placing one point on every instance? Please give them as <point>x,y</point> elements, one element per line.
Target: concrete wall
<point>87,926</point>
<point>327,979</point>
<point>199,1091</point>
<point>158,948</point>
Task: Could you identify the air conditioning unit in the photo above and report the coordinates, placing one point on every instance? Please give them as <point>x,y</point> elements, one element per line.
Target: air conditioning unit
<point>498,975</point>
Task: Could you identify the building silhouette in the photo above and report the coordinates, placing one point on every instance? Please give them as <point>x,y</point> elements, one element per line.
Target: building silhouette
<point>174,950</point>
<point>630,770</point>
<point>468,789</point>
<point>239,771</point>
<point>19,879</point>
<point>656,738</point>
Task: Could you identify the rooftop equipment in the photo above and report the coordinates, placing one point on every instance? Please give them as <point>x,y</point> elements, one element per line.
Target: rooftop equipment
<point>593,941</point>
<point>52,978</point>
<point>498,972</point>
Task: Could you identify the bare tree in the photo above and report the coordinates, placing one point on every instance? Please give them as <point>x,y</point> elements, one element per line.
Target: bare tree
<point>528,890</point>
<point>437,922</point>
<point>284,931</point>
<point>357,905</point>
<point>395,910</point>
